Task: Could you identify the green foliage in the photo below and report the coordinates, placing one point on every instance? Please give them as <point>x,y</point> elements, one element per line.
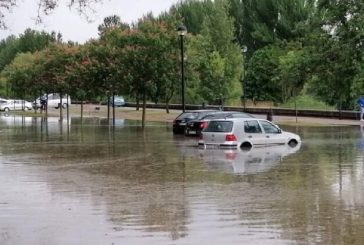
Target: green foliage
<point>306,102</point>
<point>110,23</point>
<point>20,74</point>
<point>264,22</point>
<point>216,58</point>
<point>193,13</point>
<point>262,68</point>
<point>29,41</point>
<point>337,52</point>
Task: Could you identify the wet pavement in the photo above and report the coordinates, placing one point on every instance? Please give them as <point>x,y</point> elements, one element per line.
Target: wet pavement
<point>91,183</point>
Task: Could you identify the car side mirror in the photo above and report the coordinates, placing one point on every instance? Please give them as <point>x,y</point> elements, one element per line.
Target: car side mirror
<point>279,130</point>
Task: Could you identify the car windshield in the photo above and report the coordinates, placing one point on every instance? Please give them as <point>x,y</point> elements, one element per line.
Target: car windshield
<point>219,126</point>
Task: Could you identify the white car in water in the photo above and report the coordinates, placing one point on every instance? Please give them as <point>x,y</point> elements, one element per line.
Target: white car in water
<point>245,133</point>
<point>15,105</point>
<point>53,100</point>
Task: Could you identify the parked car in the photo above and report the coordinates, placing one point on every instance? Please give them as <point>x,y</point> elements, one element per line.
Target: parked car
<point>245,133</point>
<point>52,100</point>
<point>179,124</point>
<point>194,127</point>
<point>2,100</point>
<point>15,105</point>
<point>118,101</point>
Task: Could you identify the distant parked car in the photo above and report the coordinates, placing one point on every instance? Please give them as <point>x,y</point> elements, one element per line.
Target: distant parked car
<point>245,133</point>
<point>194,127</point>
<point>15,105</point>
<point>52,100</point>
<point>118,101</point>
<point>179,124</point>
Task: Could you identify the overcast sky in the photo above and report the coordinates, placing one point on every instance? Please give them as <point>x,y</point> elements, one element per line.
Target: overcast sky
<point>75,27</point>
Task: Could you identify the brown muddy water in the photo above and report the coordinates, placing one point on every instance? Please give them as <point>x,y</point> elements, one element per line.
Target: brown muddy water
<point>67,183</point>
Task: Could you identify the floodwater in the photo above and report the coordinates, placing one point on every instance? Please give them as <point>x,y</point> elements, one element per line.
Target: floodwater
<point>71,183</point>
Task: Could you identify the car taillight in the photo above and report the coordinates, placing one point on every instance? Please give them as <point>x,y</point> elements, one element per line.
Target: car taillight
<point>230,137</point>
<point>203,125</point>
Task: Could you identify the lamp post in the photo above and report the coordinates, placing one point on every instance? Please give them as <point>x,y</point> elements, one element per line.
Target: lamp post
<point>182,31</point>
<point>244,49</point>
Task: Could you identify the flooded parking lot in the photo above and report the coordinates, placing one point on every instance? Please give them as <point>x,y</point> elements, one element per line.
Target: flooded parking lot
<point>71,183</point>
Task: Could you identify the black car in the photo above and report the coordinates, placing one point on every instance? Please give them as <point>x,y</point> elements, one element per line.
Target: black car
<point>179,124</point>
<point>195,126</point>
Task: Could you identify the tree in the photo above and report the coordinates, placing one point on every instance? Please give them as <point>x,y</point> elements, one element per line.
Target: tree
<point>46,7</point>
<point>292,71</point>
<point>29,41</point>
<point>19,75</point>
<point>216,58</point>
<point>264,22</point>
<point>111,22</point>
<point>192,13</point>
<point>337,52</point>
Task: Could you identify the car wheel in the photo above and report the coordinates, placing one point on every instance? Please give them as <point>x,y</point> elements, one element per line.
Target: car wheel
<point>292,143</point>
<point>246,146</point>
<point>64,106</point>
<point>6,109</point>
<point>187,132</point>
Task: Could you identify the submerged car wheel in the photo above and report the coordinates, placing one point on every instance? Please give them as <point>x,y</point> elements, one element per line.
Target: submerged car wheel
<point>187,132</point>
<point>246,146</point>
<point>6,109</point>
<point>64,106</point>
<point>292,143</point>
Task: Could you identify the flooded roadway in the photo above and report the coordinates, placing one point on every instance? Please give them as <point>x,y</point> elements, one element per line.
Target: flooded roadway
<point>67,183</point>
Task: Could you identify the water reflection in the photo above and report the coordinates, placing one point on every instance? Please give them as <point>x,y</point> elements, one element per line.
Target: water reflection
<point>249,161</point>
<point>97,184</point>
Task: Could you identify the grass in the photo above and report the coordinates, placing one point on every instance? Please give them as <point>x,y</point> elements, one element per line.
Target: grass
<point>306,102</point>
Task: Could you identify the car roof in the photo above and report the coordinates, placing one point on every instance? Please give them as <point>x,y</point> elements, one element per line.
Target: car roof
<point>202,110</point>
<point>197,112</point>
<point>234,119</point>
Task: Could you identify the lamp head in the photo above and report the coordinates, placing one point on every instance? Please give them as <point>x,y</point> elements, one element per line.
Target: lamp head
<point>182,30</point>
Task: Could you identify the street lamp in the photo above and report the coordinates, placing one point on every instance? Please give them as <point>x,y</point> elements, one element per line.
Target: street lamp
<point>244,49</point>
<point>182,31</point>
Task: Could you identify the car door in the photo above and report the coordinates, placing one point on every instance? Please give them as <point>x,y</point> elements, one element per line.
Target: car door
<point>272,133</point>
<point>17,105</point>
<point>253,133</point>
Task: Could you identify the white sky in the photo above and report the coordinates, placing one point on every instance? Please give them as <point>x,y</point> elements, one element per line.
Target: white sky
<point>74,27</point>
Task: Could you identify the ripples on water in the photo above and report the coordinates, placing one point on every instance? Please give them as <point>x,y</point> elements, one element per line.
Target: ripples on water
<point>67,183</point>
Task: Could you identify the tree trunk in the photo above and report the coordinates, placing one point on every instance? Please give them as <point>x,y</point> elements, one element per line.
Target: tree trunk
<point>167,107</point>
<point>137,102</point>
<point>144,108</point>
<point>60,107</point>
<point>108,107</point>
<point>113,109</point>
<point>81,111</point>
<point>68,109</point>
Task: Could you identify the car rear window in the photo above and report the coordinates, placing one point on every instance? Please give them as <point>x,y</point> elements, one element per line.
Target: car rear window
<point>193,115</point>
<point>189,115</point>
<point>240,115</point>
<point>219,126</point>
